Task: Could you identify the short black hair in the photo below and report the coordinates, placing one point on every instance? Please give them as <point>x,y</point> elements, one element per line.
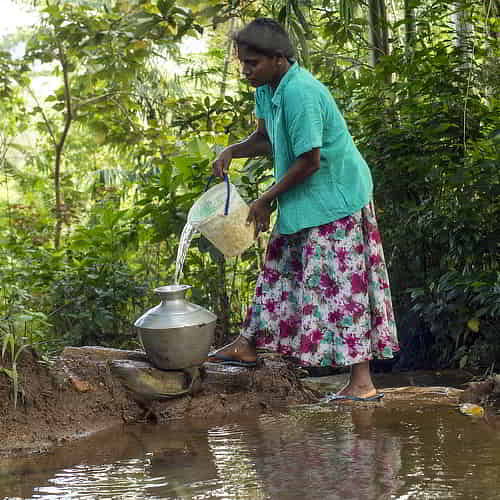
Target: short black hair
<point>265,36</point>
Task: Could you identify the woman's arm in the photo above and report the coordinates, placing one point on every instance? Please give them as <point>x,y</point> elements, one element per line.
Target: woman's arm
<point>256,144</point>
<point>304,166</point>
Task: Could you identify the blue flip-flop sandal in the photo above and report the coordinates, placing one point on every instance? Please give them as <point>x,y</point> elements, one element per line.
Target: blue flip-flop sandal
<point>339,397</point>
<point>221,359</point>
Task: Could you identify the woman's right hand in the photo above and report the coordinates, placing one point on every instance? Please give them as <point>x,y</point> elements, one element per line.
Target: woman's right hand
<point>260,213</point>
<point>220,166</point>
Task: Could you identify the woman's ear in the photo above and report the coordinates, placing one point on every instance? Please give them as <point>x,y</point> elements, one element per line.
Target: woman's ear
<point>279,59</point>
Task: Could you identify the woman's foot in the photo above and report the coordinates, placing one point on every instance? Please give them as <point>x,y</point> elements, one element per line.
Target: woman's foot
<point>240,352</point>
<point>360,384</point>
<point>359,391</point>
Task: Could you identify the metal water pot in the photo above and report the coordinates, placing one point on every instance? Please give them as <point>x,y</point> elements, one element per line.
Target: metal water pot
<point>176,334</point>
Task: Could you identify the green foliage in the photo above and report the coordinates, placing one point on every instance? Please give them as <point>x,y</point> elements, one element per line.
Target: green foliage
<point>166,193</point>
<point>12,73</point>
<point>20,329</point>
<point>429,137</point>
<point>461,312</point>
<point>96,302</point>
<point>95,295</point>
<point>12,344</point>
<point>139,152</point>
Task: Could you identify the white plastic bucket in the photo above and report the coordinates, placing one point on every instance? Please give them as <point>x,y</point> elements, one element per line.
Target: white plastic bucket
<point>229,233</point>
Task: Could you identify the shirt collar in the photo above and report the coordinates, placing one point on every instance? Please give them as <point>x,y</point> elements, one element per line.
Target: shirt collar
<point>292,70</point>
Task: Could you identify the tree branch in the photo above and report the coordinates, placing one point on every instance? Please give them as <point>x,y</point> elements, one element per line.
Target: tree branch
<point>44,116</point>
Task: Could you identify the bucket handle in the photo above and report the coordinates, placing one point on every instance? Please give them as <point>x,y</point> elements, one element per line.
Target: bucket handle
<point>226,178</point>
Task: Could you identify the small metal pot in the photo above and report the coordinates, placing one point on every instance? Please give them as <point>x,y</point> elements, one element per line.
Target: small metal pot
<point>176,334</point>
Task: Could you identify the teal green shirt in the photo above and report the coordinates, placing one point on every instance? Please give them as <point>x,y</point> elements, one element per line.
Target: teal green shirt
<point>302,115</point>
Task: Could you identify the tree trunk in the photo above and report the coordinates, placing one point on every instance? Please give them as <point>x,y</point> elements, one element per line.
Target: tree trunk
<point>227,59</point>
<point>59,150</point>
<point>493,10</point>
<point>464,30</point>
<point>224,305</point>
<point>492,13</point>
<point>410,28</point>
<point>379,33</point>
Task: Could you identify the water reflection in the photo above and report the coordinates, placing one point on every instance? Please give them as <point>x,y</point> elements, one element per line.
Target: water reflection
<point>123,479</point>
<point>308,452</point>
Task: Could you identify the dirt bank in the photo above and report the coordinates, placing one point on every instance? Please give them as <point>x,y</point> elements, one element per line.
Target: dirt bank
<point>78,395</point>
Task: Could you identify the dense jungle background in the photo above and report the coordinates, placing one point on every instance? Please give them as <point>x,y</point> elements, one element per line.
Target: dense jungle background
<point>113,110</point>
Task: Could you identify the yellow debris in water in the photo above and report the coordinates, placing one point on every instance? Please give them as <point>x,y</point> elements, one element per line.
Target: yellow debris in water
<point>473,325</point>
<point>472,410</point>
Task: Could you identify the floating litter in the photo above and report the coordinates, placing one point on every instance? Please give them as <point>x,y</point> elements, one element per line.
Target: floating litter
<point>472,410</point>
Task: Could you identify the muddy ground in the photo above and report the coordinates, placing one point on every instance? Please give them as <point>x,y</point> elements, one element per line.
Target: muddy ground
<point>77,395</point>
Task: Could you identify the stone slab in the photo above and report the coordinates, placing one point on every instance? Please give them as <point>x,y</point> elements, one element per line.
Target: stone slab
<point>98,353</point>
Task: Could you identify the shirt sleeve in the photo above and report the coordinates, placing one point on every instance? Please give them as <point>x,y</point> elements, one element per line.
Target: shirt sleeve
<point>304,119</point>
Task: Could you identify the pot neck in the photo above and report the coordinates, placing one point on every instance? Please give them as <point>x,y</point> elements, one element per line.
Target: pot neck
<point>172,292</point>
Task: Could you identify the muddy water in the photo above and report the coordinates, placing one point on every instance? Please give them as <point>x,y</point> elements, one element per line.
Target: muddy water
<point>389,450</point>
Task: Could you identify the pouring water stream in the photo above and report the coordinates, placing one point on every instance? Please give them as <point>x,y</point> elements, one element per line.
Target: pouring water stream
<point>187,235</point>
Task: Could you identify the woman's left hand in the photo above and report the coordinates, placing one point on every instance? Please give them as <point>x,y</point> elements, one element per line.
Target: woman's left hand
<point>260,213</point>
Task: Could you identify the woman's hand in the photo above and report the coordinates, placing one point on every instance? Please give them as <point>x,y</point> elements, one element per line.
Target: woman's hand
<point>220,166</point>
<point>260,212</point>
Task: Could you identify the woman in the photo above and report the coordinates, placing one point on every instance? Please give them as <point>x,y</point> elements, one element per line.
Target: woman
<point>323,294</point>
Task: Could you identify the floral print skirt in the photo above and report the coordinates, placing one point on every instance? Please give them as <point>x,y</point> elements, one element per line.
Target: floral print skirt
<point>323,296</point>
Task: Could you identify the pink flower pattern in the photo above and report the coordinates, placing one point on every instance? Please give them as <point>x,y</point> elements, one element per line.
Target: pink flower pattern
<point>323,297</point>
<point>308,309</point>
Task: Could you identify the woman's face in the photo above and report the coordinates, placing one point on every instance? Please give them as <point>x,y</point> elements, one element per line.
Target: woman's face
<point>259,69</point>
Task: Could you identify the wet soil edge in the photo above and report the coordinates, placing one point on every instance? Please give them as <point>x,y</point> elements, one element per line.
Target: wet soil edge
<point>77,395</point>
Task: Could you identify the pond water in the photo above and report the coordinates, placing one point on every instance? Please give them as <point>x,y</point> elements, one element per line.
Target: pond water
<point>388,450</point>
